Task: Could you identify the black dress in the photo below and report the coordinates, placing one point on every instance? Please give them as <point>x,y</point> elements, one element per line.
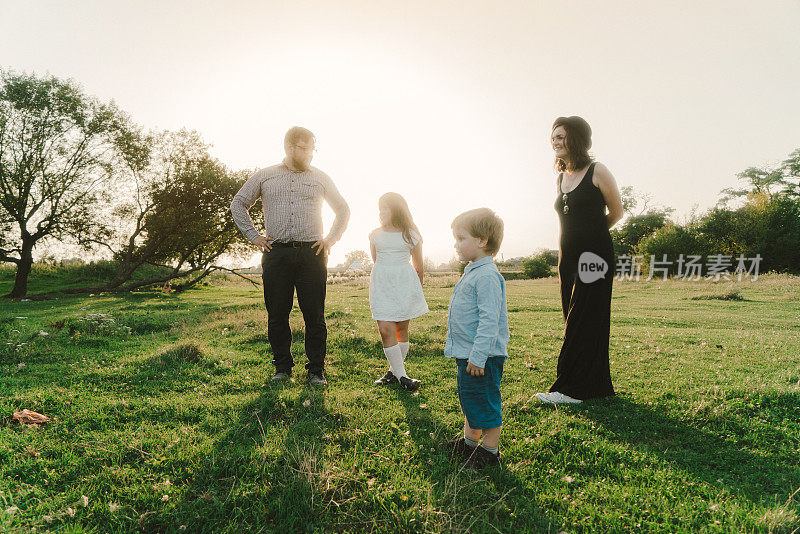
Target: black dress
<point>583,371</point>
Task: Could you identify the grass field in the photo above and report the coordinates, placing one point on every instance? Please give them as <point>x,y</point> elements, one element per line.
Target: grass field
<point>162,423</point>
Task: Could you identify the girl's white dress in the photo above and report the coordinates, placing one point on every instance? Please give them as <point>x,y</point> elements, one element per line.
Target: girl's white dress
<point>395,293</point>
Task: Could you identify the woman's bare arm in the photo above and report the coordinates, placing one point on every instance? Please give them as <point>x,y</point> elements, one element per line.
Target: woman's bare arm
<point>608,186</point>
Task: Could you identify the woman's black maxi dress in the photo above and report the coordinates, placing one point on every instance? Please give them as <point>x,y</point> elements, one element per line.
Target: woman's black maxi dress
<point>583,370</point>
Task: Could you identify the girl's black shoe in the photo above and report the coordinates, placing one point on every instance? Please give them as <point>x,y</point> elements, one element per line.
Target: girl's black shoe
<point>388,378</point>
<point>409,384</point>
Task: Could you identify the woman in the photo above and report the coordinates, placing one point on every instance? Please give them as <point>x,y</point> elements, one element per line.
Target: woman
<point>585,190</point>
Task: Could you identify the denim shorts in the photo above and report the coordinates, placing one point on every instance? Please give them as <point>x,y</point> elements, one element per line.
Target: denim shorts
<point>480,395</point>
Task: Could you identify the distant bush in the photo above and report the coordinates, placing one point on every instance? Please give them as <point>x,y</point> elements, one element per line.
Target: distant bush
<point>548,255</point>
<point>513,275</point>
<point>766,226</point>
<point>537,267</point>
<point>636,228</point>
<point>672,240</point>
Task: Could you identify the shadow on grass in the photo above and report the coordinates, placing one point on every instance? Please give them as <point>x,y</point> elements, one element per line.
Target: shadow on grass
<point>261,339</point>
<point>755,463</point>
<point>260,474</point>
<point>175,369</point>
<point>469,500</point>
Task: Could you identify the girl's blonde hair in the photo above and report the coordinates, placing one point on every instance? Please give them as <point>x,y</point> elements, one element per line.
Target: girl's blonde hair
<point>400,215</point>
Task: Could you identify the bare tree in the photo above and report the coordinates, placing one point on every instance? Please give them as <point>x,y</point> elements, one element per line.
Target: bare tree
<point>359,256</point>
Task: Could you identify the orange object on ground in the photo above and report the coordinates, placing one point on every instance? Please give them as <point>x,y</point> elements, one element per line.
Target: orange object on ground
<point>27,417</point>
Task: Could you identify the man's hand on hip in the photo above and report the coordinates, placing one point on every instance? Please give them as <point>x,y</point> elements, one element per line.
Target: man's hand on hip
<point>263,243</point>
<point>323,245</point>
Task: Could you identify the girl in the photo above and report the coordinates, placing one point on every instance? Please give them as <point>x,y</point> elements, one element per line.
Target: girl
<point>395,287</point>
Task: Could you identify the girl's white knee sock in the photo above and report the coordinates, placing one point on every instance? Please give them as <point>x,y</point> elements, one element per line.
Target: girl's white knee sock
<point>395,357</point>
<point>403,348</point>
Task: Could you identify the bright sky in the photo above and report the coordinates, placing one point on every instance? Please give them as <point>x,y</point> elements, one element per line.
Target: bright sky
<point>448,103</point>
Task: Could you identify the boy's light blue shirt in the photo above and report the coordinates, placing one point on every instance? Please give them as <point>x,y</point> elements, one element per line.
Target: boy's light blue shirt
<point>477,322</point>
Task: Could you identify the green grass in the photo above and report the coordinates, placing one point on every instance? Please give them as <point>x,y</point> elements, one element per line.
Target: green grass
<point>161,420</point>
<point>46,278</point>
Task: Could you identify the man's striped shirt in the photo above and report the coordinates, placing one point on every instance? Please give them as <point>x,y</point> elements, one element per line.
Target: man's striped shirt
<point>292,204</point>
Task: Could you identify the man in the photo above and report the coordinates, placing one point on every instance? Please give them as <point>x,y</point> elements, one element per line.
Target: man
<point>295,252</point>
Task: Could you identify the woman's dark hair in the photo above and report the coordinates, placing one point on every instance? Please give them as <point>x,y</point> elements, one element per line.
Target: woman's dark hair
<point>579,141</point>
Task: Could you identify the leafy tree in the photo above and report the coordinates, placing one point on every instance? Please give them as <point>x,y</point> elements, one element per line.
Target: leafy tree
<point>176,215</point>
<point>672,240</point>
<point>643,219</point>
<point>778,237</point>
<point>783,180</point>
<point>536,267</point>
<point>58,148</point>
<point>765,226</point>
<point>549,256</point>
<point>636,227</point>
<point>758,181</point>
<point>791,173</point>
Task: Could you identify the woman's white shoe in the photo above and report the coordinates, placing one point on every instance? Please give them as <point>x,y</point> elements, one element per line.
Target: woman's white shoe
<point>557,398</point>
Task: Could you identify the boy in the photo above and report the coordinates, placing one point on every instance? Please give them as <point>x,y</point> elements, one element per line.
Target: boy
<point>477,336</point>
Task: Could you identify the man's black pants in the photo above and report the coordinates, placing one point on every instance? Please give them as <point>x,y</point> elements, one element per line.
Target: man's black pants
<point>286,268</point>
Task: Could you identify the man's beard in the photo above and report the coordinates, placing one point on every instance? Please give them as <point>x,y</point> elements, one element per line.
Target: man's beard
<point>300,164</point>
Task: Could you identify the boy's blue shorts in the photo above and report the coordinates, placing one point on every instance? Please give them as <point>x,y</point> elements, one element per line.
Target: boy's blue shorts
<point>480,395</point>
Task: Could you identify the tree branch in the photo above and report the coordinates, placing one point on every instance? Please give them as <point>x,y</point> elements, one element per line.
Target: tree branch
<point>233,271</point>
<point>155,280</point>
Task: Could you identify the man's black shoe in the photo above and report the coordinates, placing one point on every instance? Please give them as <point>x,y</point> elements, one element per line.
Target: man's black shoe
<point>280,376</point>
<point>317,379</point>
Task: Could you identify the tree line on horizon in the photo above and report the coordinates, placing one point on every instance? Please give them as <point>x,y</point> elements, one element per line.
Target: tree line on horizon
<point>761,217</point>
<point>78,170</point>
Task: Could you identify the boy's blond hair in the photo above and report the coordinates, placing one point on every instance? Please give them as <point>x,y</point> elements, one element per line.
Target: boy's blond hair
<point>482,223</point>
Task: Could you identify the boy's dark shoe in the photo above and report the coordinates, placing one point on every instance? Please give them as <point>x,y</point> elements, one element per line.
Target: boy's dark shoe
<point>457,447</point>
<point>482,458</point>
<point>409,384</point>
<point>386,379</point>
<point>317,379</point>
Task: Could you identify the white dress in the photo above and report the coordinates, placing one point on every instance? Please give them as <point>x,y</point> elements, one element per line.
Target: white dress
<point>395,293</point>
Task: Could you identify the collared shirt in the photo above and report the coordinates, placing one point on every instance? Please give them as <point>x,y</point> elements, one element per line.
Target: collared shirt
<point>292,204</point>
<point>477,322</point>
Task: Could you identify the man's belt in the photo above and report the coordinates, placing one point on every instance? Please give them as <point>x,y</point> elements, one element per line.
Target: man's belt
<point>293,244</point>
